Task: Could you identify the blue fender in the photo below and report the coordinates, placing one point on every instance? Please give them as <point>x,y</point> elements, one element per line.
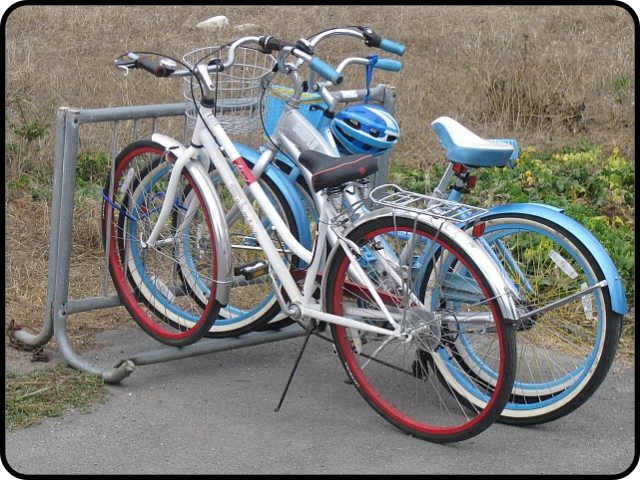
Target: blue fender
<point>555,215</point>
<point>288,190</point>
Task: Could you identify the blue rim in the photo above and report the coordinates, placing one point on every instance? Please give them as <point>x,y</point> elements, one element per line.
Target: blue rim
<point>133,229</point>
<point>577,375</point>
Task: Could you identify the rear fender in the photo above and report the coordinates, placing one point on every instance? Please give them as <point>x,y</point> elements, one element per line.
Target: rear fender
<point>219,226</point>
<point>602,258</point>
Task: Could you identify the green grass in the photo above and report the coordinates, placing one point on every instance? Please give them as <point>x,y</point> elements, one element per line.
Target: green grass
<point>92,169</point>
<point>48,393</point>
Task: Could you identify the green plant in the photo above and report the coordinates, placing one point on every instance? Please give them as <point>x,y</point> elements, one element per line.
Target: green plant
<point>48,393</point>
<point>29,129</point>
<point>35,184</point>
<point>620,88</point>
<point>92,167</point>
<point>21,183</point>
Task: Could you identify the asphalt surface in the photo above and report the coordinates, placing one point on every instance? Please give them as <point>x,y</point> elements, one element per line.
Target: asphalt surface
<point>214,414</point>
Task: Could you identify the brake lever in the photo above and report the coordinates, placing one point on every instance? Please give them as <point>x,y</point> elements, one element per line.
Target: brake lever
<point>124,65</point>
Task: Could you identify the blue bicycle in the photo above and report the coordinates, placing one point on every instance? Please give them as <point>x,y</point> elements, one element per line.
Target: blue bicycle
<point>570,295</point>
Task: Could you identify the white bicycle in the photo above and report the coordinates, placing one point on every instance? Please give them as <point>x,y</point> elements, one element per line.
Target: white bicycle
<point>366,268</point>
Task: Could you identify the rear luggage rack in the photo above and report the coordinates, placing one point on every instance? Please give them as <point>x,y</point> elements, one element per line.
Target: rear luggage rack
<point>393,196</point>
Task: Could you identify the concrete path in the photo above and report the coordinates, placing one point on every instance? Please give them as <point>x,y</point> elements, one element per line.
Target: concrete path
<point>214,414</point>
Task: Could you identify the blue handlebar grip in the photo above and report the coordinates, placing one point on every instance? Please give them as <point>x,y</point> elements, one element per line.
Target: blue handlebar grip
<point>326,71</point>
<point>388,65</point>
<point>392,47</point>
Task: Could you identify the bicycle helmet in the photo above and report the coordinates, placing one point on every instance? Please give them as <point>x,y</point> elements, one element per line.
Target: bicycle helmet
<point>365,128</point>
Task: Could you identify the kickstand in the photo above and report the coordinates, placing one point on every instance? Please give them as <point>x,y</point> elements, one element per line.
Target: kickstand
<point>310,330</point>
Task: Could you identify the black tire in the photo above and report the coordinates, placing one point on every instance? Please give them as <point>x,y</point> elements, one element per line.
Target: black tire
<point>396,377</point>
<point>153,298</point>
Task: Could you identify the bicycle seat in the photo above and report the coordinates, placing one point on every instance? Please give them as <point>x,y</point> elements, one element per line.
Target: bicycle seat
<point>327,171</point>
<point>465,147</point>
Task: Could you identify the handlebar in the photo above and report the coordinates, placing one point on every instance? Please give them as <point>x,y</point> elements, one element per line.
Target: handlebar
<point>299,50</point>
<point>382,64</point>
<point>303,51</point>
<point>391,46</point>
<point>370,38</point>
<point>326,71</point>
<point>138,61</point>
<point>388,65</point>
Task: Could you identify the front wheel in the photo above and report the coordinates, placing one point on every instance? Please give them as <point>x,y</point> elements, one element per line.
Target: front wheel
<point>149,280</point>
<point>405,378</point>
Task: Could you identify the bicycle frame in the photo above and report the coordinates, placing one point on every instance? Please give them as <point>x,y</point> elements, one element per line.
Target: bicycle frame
<point>301,301</point>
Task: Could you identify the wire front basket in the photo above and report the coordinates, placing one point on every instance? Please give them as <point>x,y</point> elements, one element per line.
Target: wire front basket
<point>238,88</point>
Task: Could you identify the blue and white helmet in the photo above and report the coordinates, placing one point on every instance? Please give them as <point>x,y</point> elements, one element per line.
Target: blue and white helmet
<point>365,128</point>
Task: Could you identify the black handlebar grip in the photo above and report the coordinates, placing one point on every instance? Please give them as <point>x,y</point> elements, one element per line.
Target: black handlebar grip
<point>270,44</point>
<point>273,44</point>
<point>152,67</point>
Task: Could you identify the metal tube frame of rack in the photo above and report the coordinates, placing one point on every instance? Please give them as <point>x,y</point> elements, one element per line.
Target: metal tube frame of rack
<point>58,304</point>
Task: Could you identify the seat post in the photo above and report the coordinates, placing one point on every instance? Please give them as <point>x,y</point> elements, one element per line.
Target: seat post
<point>441,190</point>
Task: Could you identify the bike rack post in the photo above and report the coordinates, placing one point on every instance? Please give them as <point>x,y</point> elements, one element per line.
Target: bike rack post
<point>21,336</point>
<point>58,306</point>
<point>389,103</point>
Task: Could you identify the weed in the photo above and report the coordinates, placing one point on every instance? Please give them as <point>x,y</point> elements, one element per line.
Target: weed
<point>49,393</point>
<point>29,129</point>
<point>21,183</point>
<point>620,88</point>
<point>92,167</point>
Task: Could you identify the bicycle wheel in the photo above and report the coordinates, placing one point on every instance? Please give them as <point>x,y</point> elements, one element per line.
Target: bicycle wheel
<point>403,378</point>
<point>252,302</point>
<point>565,353</point>
<point>147,279</point>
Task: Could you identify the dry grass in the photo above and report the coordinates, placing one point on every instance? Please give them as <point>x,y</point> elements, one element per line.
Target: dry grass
<point>542,74</point>
<point>26,264</point>
<point>545,75</point>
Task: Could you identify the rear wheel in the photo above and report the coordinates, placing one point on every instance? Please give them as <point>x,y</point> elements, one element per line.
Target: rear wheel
<point>565,353</point>
<point>406,379</point>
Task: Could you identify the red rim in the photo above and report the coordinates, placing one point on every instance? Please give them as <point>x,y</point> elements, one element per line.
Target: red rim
<point>370,391</point>
<point>119,276</point>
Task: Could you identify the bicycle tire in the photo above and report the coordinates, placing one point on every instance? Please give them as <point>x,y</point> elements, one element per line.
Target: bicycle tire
<point>396,378</point>
<point>565,354</point>
<point>154,300</point>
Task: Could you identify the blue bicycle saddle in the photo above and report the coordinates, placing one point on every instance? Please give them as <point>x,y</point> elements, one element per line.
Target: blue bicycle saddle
<point>465,147</point>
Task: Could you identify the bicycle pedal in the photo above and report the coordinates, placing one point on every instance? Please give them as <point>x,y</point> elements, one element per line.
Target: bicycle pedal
<point>252,270</point>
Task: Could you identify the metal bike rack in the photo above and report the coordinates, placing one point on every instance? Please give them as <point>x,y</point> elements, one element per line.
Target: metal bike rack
<point>58,306</point>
